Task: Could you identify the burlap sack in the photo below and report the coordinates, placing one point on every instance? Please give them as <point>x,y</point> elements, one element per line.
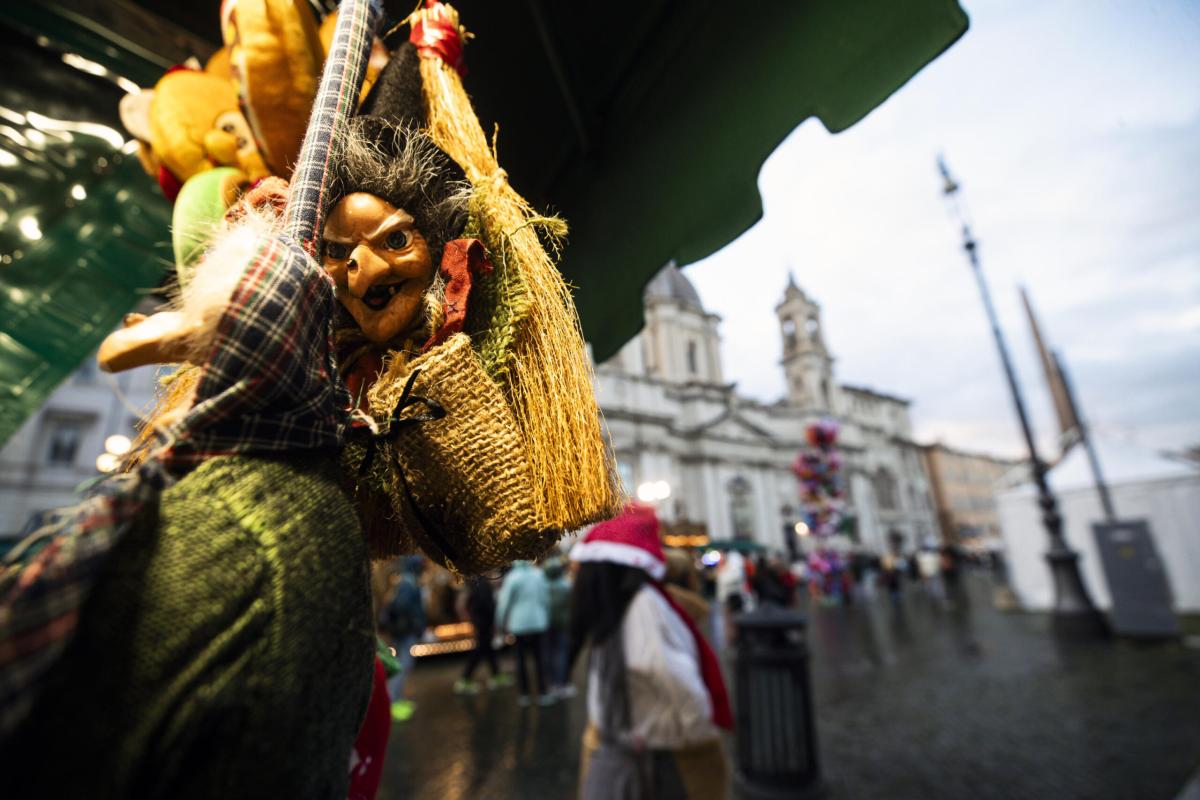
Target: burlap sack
<point>461,485</point>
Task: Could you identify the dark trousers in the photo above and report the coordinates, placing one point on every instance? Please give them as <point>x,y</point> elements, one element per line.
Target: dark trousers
<point>530,644</point>
<point>557,645</point>
<point>483,650</point>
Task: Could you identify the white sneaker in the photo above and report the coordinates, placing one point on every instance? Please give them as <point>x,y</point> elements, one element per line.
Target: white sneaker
<point>566,690</point>
<point>524,700</point>
<point>547,699</point>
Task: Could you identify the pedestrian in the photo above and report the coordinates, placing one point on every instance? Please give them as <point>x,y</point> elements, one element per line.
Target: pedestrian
<point>524,611</point>
<point>768,586</point>
<point>479,606</point>
<point>656,700</point>
<point>787,579</point>
<point>682,583</point>
<point>891,569</point>
<point>558,588</point>
<point>731,586</point>
<point>929,564</point>
<point>403,622</point>
<point>951,566</point>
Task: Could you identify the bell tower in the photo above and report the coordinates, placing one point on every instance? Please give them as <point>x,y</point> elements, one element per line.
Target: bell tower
<point>807,366</point>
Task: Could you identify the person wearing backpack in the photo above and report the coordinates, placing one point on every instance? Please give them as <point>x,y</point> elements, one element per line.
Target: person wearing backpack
<point>524,612</point>
<point>403,622</point>
<point>479,606</point>
<point>557,635</point>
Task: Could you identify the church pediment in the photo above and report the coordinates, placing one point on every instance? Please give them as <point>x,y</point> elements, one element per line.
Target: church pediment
<point>730,425</point>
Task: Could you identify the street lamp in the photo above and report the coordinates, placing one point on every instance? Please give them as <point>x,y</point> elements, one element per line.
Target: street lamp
<point>115,446</point>
<point>1073,607</point>
<point>650,491</point>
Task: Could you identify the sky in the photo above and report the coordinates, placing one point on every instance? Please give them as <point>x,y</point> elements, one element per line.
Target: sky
<point>1074,131</point>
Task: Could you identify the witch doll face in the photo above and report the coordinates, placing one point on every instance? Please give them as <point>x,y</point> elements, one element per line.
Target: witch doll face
<point>380,263</point>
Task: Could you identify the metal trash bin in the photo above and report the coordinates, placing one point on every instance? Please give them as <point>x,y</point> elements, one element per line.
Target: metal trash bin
<point>776,743</point>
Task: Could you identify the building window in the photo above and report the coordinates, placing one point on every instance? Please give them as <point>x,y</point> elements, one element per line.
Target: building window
<point>885,489</point>
<point>740,509</point>
<point>691,358</point>
<point>62,440</point>
<point>625,472</point>
<point>789,333</point>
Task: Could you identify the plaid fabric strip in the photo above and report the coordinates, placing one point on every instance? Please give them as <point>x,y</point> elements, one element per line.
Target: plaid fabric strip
<point>270,384</point>
<point>332,108</point>
<point>45,580</point>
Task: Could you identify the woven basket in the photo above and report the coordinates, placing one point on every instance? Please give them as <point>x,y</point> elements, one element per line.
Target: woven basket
<point>462,485</point>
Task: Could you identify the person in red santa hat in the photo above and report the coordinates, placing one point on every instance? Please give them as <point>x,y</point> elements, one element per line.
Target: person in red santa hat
<point>656,700</point>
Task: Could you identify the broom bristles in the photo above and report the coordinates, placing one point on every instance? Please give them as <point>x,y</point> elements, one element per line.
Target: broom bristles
<point>548,379</point>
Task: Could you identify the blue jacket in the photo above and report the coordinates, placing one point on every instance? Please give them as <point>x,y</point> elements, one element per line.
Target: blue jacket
<point>524,605</point>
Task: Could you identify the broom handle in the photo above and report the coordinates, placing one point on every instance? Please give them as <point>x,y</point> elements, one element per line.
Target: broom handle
<point>335,102</point>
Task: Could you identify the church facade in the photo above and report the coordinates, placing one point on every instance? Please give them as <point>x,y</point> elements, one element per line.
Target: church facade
<point>677,426</point>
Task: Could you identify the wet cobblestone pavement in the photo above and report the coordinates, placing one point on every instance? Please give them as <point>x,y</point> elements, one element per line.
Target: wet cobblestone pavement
<point>914,701</point>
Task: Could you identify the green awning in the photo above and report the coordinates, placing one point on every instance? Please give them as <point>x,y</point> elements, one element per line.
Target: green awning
<point>740,545</point>
<point>83,231</point>
<point>645,125</point>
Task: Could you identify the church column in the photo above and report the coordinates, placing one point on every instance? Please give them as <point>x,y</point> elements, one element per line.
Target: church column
<point>869,531</point>
<point>767,529</point>
<point>713,347</point>
<point>715,507</point>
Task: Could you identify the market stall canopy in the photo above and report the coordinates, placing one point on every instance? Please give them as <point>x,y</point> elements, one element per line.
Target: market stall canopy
<point>644,125</point>
<point>740,545</point>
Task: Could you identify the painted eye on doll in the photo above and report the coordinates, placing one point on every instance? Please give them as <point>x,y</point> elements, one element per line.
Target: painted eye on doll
<point>336,250</point>
<point>397,240</point>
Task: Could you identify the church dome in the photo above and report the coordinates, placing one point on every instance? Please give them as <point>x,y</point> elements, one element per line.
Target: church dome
<point>671,284</point>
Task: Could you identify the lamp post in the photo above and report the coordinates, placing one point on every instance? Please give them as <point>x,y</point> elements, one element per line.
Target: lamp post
<point>1074,611</point>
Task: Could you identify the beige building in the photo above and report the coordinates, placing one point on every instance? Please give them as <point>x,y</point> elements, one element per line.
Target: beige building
<point>964,487</point>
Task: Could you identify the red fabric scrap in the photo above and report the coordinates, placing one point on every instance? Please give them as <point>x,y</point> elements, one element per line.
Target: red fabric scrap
<point>437,36</point>
<point>366,763</point>
<point>462,261</point>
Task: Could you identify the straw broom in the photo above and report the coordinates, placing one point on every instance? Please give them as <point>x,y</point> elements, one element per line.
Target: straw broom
<point>543,367</point>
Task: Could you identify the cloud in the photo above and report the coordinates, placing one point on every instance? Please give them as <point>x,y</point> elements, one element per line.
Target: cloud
<point>1076,137</point>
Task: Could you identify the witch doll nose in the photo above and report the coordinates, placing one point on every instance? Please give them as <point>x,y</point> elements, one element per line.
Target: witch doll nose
<point>363,269</point>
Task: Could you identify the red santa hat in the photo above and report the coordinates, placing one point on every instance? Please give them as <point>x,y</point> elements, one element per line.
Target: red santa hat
<point>630,539</point>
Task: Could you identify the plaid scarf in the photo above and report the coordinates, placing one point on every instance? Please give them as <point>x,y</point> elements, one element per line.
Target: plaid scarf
<point>269,386</point>
<point>44,580</point>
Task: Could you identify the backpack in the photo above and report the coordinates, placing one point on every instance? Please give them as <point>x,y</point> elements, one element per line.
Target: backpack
<point>404,614</point>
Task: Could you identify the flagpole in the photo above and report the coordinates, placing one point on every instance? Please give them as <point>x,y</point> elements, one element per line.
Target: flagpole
<point>1074,611</point>
<point>1085,437</point>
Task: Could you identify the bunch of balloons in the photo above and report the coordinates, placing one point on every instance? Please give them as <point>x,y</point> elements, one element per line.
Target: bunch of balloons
<point>819,470</point>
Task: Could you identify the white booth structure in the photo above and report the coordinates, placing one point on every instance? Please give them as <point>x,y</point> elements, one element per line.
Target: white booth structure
<point>1143,485</point>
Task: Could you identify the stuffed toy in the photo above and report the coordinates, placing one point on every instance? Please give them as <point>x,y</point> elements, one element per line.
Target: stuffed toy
<point>202,626</point>
<point>188,123</point>
<point>519,455</point>
<point>275,55</point>
<point>456,336</point>
<point>429,317</point>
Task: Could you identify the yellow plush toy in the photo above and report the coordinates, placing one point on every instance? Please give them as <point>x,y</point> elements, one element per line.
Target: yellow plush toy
<point>195,125</point>
<point>218,64</point>
<point>275,55</point>
<point>187,124</point>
